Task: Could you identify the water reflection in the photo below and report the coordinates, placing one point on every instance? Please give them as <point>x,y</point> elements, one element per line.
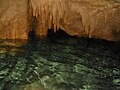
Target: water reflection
<point>60,65</point>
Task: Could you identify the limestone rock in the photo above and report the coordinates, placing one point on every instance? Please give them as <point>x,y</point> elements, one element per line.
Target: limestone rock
<point>99,18</point>
<point>82,18</point>
<point>87,18</point>
<point>13,19</point>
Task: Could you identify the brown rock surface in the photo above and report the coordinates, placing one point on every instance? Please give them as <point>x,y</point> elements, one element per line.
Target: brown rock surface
<point>88,18</point>
<point>13,19</point>
<point>100,18</point>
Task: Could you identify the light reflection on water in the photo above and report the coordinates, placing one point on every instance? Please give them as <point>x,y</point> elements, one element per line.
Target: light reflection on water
<point>60,65</point>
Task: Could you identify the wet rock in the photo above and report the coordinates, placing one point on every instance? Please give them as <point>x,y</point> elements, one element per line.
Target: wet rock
<point>2,50</point>
<point>34,86</point>
<point>64,86</point>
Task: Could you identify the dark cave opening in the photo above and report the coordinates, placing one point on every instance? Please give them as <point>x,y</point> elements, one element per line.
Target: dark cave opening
<point>32,36</point>
<point>86,42</point>
<point>58,35</point>
<point>61,37</point>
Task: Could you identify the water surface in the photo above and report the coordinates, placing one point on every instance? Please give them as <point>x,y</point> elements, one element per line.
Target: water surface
<point>61,64</point>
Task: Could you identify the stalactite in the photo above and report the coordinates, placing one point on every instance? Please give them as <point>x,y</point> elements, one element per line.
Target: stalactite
<point>87,26</point>
<point>105,12</point>
<point>90,30</point>
<point>50,12</point>
<point>36,15</point>
<point>54,27</point>
<point>65,18</point>
<point>50,21</point>
<point>34,6</point>
<point>14,29</point>
<point>58,25</point>
<point>57,20</point>
<point>92,23</point>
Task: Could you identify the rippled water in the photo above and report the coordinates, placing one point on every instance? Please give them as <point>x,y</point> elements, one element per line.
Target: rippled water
<point>69,64</point>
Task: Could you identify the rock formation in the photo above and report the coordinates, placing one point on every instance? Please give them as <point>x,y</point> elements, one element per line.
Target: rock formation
<point>82,18</point>
<point>13,19</point>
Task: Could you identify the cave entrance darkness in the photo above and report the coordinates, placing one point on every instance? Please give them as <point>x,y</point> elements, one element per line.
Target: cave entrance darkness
<point>32,38</point>
<point>58,35</point>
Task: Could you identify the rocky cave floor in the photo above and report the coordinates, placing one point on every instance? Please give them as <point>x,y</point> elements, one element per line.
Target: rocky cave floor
<point>61,64</point>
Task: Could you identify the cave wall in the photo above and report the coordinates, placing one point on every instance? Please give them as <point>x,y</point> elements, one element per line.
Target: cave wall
<point>13,19</point>
<point>100,18</point>
<point>87,18</point>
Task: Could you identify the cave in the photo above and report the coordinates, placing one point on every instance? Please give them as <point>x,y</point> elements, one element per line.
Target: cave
<point>32,36</point>
<point>60,45</point>
<point>59,34</point>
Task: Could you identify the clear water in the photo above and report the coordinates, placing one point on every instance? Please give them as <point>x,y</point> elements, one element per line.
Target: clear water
<point>65,64</point>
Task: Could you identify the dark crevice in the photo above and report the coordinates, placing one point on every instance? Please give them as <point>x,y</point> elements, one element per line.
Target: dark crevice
<point>58,35</point>
<point>32,37</point>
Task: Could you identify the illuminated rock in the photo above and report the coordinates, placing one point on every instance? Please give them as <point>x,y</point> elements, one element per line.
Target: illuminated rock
<point>82,18</point>
<point>100,18</point>
<point>88,18</point>
<point>13,19</point>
